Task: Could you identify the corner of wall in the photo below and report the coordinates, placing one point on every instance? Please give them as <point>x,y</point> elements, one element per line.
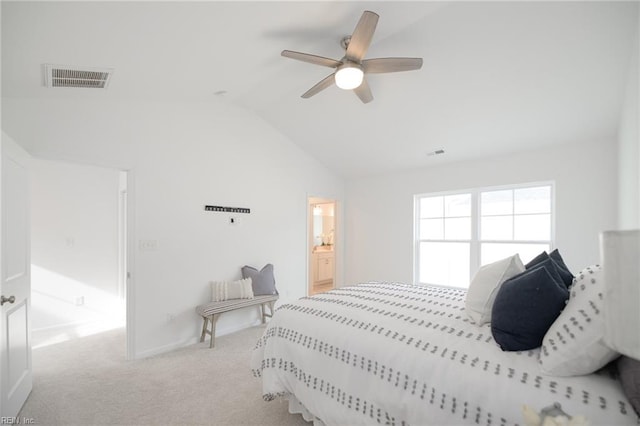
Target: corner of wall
<point>629,148</point>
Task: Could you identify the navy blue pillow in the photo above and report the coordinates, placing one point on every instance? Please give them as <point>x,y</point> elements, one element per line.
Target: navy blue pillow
<point>553,269</point>
<point>539,258</point>
<point>555,255</point>
<point>567,277</point>
<point>525,307</point>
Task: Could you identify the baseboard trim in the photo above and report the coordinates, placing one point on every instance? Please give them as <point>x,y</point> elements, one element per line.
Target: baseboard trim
<point>166,348</point>
<point>61,326</point>
<point>193,340</point>
<point>228,330</point>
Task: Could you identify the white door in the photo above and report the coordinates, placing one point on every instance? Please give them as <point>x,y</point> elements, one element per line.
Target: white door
<point>15,283</point>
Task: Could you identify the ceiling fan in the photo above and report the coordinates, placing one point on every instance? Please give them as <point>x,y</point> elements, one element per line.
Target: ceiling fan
<point>350,70</point>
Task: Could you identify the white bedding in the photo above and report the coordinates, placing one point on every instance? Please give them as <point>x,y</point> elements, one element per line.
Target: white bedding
<point>407,355</point>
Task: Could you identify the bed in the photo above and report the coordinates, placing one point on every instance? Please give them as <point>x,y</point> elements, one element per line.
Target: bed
<point>401,354</point>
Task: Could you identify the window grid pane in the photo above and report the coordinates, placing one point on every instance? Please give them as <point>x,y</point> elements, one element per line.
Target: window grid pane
<point>532,200</point>
<point>496,228</point>
<point>431,229</point>
<point>458,228</point>
<point>444,263</point>
<point>458,205</point>
<point>496,202</point>
<point>432,207</point>
<point>532,227</point>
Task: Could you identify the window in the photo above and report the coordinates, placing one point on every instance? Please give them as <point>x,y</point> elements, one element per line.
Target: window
<point>458,232</point>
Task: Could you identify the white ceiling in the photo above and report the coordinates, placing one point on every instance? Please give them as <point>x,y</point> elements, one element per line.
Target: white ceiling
<point>497,77</point>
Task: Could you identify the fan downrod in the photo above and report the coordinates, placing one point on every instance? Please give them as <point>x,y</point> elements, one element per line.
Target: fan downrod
<point>344,42</point>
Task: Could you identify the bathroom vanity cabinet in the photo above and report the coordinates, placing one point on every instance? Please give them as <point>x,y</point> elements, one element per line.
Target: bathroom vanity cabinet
<point>324,266</point>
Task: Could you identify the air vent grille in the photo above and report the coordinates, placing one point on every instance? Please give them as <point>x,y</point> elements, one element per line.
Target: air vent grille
<point>436,152</point>
<point>63,76</point>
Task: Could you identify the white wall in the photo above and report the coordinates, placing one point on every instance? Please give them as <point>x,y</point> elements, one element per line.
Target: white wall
<point>183,156</point>
<point>380,209</point>
<point>629,150</point>
<point>74,244</point>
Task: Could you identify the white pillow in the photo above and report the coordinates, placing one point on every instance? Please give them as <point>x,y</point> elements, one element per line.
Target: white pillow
<point>225,290</point>
<point>574,344</point>
<point>485,285</point>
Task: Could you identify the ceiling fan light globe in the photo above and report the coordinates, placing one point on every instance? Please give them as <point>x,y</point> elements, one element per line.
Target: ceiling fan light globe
<point>349,77</point>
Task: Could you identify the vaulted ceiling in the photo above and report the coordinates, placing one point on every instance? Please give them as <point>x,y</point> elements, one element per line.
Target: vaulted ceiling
<point>497,77</point>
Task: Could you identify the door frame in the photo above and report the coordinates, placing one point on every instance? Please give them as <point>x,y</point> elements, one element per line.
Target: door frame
<point>126,246</point>
<point>130,267</point>
<point>337,241</point>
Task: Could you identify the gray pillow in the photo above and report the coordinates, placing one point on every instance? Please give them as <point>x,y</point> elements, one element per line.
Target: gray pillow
<point>629,370</point>
<point>263,281</point>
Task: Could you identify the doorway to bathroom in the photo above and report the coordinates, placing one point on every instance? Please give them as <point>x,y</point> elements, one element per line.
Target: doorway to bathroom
<point>322,245</point>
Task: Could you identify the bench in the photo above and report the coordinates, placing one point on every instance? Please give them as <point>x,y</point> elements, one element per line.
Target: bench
<point>210,312</point>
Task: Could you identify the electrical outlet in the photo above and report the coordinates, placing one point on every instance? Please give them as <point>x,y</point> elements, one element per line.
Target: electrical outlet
<point>148,245</point>
<point>170,317</point>
<point>80,301</point>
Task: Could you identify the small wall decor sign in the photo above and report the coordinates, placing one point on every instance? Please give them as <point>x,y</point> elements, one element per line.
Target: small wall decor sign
<point>227,209</point>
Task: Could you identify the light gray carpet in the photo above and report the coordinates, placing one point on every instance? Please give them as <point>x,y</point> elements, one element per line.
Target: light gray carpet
<point>87,381</point>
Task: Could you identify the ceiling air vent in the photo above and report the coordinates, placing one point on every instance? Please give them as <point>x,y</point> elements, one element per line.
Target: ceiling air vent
<point>66,76</point>
<point>436,152</point>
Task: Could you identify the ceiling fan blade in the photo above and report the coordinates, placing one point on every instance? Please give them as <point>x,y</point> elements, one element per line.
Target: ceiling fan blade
<point>313,59</point>
<point>323,84</point>
<point>362,35</point>
<point>364,92</point>
<point>382,65</point>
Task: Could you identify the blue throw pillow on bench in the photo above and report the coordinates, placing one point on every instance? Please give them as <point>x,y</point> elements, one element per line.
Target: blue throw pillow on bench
<point>526,306</point>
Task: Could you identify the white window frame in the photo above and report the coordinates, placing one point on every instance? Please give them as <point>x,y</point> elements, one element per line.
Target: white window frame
<point>475,240</point>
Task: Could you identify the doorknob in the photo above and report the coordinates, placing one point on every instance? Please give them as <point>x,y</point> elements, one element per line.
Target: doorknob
<point>9,299</point>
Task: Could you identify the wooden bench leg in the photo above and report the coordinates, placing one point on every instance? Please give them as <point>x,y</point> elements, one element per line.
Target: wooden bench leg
<point>204,328</point>
<point>263,311</point>
<point>214,319</point>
